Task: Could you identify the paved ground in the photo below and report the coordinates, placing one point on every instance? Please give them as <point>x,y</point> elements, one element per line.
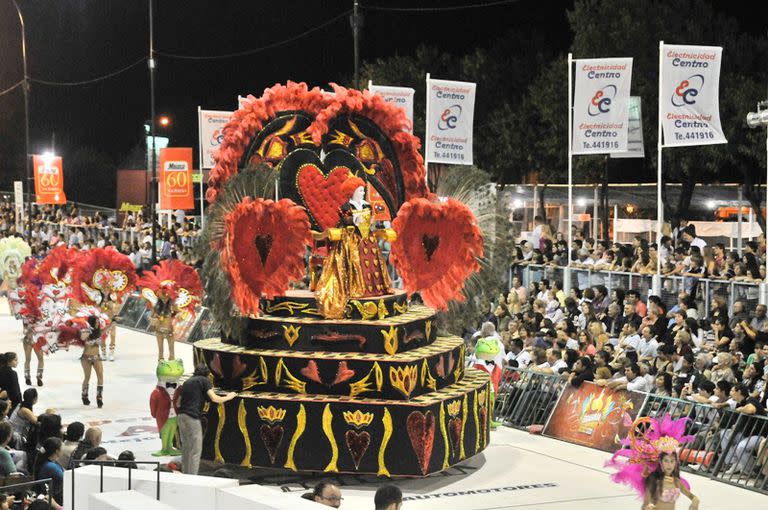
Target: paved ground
<point>517,470</point>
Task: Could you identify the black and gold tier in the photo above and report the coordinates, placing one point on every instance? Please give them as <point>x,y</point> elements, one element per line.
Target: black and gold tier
<point>403,376</point>
<point>301,303</point>
<point>339,434</point>
<point>389,335</point>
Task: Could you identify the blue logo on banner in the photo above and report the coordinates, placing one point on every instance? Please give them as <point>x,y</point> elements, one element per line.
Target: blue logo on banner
<point>601,101</point>
<point>449,118</point>
<point>687,90</point>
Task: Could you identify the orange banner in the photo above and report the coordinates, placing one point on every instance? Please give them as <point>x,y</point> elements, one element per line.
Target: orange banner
<point>176,178</point>
<point>49,180</point>
<point>594,416</point>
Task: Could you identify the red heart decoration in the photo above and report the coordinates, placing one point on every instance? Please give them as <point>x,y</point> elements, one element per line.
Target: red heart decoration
<point>322,194</point>
<point>357,443</point>
<point>421,431</point>
<point>311,372</point>
<point>437,247</point>
<point>454,426</point>
<point>343,373</point>
<point>272,437</point>
<point>483,419</point>
<point>252,275</point>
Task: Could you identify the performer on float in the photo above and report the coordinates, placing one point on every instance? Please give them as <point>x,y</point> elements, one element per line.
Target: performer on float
<point>354,267</point>
<point>88,328</point>
<point>486,359</point>
<point>55,273</point>
<point>103,278</point>
<point>652,464</point>
<point>172,289</point>
<point>163,402</point>
<point>25,303</point>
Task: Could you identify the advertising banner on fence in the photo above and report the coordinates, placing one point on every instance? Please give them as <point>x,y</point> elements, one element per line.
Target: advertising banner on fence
<point>635,146</point>
<point>211,124</point>
<point>49,179</point>
<point>400,96</point>
<point>450,114</point>
<point>176,178</point>
<point>594,416</point>
<point>690,101</point>
<point>601,105</point>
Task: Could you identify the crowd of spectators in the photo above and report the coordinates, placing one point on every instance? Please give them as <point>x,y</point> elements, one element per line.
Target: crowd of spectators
<point>682,254</point>
<point>54,225</point>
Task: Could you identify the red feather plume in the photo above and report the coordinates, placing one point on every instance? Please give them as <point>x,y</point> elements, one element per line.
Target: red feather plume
<point>109,266</point>
<point>62,261</point>
<point>437,247</point>
<point>174,275</point>
<point>264,248</point>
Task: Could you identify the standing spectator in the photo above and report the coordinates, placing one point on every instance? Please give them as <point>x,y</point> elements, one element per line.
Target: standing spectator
<point>9,379</point>
<point>194,393</point>
<point>388,497</point>
<point>535,237</point>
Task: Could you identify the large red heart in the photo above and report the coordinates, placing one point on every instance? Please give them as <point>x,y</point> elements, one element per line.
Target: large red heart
<point>357,443</point>
<point>437,247</point>
<point>454,426</point>
<point>421,431</point>
<point>258,268</point>
<point>322,194</point>
<point>272,437</point>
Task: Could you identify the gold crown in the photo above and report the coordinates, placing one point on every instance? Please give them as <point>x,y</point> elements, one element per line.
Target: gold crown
<point>404,379</point>
<point>454,407</point>
<point>666,444</point>
<point>358,418</point>
<point>271,414</point>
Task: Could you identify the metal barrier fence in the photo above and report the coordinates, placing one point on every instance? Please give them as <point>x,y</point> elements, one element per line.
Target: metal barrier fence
<point>729,446</point>
<point>130,465</point>
<point>671,286</point>
<point>21,489</point>
<point>526,398</point>
<point>124,235</point>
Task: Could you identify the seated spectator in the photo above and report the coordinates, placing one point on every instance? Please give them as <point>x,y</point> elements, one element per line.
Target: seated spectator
<point>582,371</point>
<point>127,459</point>
<point>7,466</point>
<point>388,497</point>
<point>23,418</point>
<point>632,381</point>
<point>75,431</point>
<point>663,385</point>
<point>47,466</point>
<point>326,494</point>
<point>92,439</point>
<point>9,379</point>
<point>734,440</point>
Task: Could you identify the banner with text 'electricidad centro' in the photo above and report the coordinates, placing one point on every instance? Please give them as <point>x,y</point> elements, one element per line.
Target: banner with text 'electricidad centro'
<point>690,102</point>
<point>450,114</point>
<point>399,96</point>
<point>601,105</point>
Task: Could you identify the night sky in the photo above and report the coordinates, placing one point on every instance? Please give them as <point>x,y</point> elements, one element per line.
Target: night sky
<point>76,40</point>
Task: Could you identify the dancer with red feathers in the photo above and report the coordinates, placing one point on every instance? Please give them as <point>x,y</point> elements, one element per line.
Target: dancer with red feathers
<point>103,278</point>
<point>172,289</point>
<point>649,462</point>
<point>25,303</point>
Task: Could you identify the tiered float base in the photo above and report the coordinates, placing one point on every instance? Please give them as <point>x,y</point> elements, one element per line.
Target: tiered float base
<point>377,393</point>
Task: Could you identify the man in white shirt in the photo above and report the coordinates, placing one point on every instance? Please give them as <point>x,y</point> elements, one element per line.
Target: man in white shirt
<point>527,249</point>
<point>629,339</point>
<point>535,237</point>
<point>554,363</point>
<point>517,357</point>
<point>649,346</point>
<point>632,381</point>
<point>517,286</point>
<point>689,236</point>
<point>584,262</point>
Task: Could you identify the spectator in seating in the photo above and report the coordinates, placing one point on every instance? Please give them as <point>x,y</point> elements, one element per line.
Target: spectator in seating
<point>7,466</point>
<point>9,379</point>
<point>388,497</point>
<point>47,466</point>
<point>740,456</point>
<point>127,459</point>
<point>75,431</point>
<point>326,494</point>
<point>23,417</point>
<point>92,439</point>
<point>582,371</point>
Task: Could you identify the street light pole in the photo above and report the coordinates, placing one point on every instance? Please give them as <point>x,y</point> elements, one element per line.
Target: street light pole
<point>25,87</point>
<point>153,183</point>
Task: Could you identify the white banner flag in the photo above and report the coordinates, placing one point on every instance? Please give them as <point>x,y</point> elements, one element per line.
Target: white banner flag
<point>601,105</point>
<point>401,96</point>
<point>211,124</point>
<point>635,146</point>
<point>450,114</point>
<point>690,111</point>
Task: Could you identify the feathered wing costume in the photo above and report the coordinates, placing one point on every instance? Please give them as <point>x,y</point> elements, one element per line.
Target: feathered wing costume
<point>55,273</point>
<point>180,281</point>
<point>13,252</point>
<point>647,440</point>
<point>103,274</point>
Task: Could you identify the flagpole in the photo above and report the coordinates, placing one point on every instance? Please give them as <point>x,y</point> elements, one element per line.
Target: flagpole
<point>201,163</point>
<point>569,250</point>
<point>656,284</point>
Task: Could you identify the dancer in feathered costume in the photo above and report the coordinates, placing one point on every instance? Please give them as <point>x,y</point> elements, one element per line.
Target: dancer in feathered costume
<point>172,289</point>
<point>25,304</point>
<point>103,278</point>
<point>649,462</point>
<point>89,327</point>
<point>13,252</point>
<point>55,273</point>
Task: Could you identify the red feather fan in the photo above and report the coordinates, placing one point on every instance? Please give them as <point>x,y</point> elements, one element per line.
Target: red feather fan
<point>104,269</point>
<point>58,265</point>
<point>175,277</point>
<point>264,249</point>
<point>436,249</point>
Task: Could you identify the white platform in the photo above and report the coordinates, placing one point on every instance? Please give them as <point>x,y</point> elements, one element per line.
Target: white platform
<point>258,497</point>
<point>125,500</point>
<point>513,459</point>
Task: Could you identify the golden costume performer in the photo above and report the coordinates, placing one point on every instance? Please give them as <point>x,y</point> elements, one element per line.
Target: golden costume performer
<point>354,267</point>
